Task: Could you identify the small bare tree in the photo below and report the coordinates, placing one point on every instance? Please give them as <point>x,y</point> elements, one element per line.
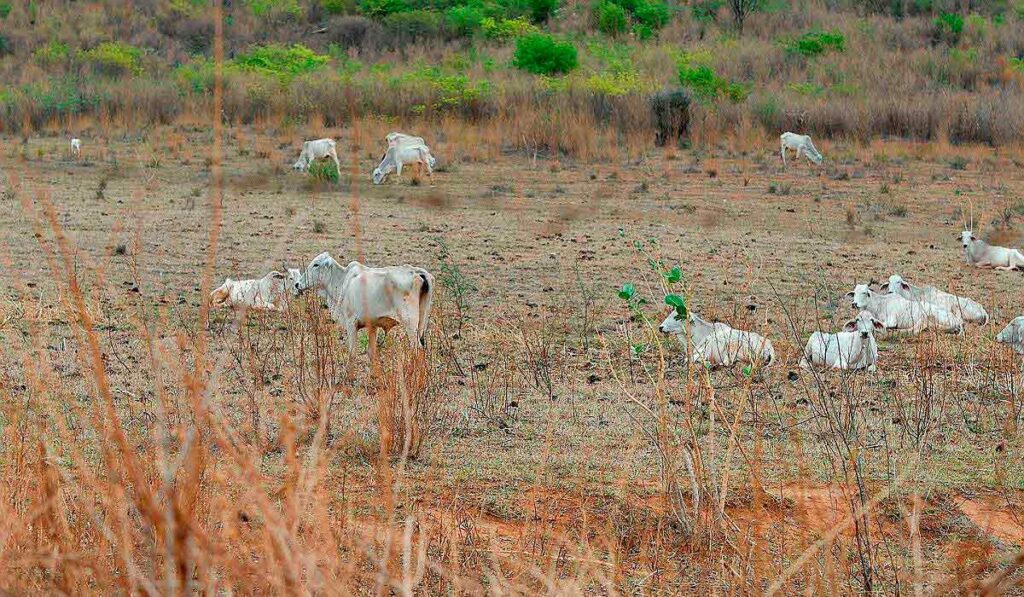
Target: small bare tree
<point>741,9</point>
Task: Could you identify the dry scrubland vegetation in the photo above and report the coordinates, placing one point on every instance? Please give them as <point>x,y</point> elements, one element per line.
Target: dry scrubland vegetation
<point>548,440</point>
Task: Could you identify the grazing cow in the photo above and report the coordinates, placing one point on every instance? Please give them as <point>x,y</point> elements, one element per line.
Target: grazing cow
<point>76,147</point>
<point>267,293</point>
<point>969,310</point>
<point>396,157</point>
<point>898,313</point>
<point>372,297</point>
<point>317,150</point>
<point>852,348</point>
<point>1013,334</point>
<point>981,254</point>
<point>717,343</point>
<point>800,143</point>
<point>395,139</point>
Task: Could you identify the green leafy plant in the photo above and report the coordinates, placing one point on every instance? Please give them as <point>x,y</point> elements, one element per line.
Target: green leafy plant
<point>324,170</point>
<point>113,58</point>
<point>465,20</point>
<point>541,10</point>
<point>706,85</point>
<point>815,43</point>
<point>284,62</point>
<point>542,54</point>
<point>334,7</point>
<point>677,303</point>
<point>949,26</point>
<point>507,28</point>
<point>52,53</point>
<point>654,14</point>
<point>5,8</point>
<point>275,8</point>
<point>610,18</point>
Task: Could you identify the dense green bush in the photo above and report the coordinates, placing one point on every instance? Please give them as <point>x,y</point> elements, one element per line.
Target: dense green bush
<point>283,62</point>
<point>706,85</point>
<point>654,14</point>
<point>275,8</point>
<point>378,9</point>
<point>541,10</point>
<point>113,58</point>
<point>949,27</point>
<point>334,7</point>
<point>815,43</point>
<point>5,8</point>
<point>610,18</point>
<point>507,28</point>
<point>464,20</point>
<point>542,54</point>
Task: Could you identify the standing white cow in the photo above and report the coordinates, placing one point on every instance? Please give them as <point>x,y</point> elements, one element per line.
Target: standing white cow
<point>852,348</point>
<point>267,293</point>
<point>317,150</point>
<point>981,254</point>
<point>372,298</point>
<point>1013,335</point>
<point>396,157</point>
<point>717,343</point>
<point>76,147</point>
<point>801,144</point>
<point>969,310</point>
<point>898,313</point>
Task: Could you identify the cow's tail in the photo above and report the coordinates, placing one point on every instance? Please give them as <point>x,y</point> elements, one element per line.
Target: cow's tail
<point>426,302</point>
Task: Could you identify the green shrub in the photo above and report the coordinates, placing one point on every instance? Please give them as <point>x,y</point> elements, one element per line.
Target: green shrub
<point>378,9</point>
<point>334,7</point>
<point>949,26</point>
<point>113,58</point>
<point>706,85</point>
<point>1017,64</point>
<point>408,26</point>
<point>815,43</point>
<point>275,8</point>
<point>507,28</point>
<point>324,170</point>
<point>610,18</point>
<point>541,10</point>
<point>195,76</point>
<point>542,54</point>
<point>54,52</point>
<point>464,20</point>
<point>5,8</point>
<point>654,14</point>
<point>280,61</point>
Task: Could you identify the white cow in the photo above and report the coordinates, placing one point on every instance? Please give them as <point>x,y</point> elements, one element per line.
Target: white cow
<point>800,143</point>
<point>981,254</point>
<point>898,313</point>
<point>267,293</point>
<point>76,147</point>
<point>372,297</point>
<point>1013,334</point>
<point>852,348</point>
<point>317,150</point>
<point>395,139</point>
<point>717,343</point>
<point>396,157</point>
<point>969,310</point>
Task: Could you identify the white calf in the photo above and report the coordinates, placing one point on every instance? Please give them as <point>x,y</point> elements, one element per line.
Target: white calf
<point>898,313</point>
<point>969,310</point>
<point>981,254</point>
<point>852,348</point>
<point>76,147</point>
<point>317,150</point>
<point>800,143</point>
<point>717,343</point>
<point>267,293</point>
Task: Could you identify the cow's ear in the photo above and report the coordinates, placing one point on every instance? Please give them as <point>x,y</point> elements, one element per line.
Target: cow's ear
<point>884,287</point>
<point>905,286</point>
<point>878,324</point>
<point>849,294</point>
<point>278,275</point>
<point>974,237</point>
<point>850,326</point>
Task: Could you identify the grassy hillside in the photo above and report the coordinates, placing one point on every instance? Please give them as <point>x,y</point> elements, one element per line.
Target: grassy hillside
<point>550,71</point>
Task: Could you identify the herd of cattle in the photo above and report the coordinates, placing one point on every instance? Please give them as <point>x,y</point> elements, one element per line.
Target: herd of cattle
<point>380,298</point>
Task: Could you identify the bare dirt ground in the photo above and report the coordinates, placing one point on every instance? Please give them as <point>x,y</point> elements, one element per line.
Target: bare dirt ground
<point>760,247</point>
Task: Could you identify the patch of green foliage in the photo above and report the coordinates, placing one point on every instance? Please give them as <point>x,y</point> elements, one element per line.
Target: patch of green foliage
<point>610,18</point>
<point>334,7</point>
<point>706,11</point>
<point>816,43</point>
<point>507,28</point>
<point>465,20</point>
<point>541,10</point>
<point>5,8</point>
<point>324,170</point>
<point>195,75</point>
<point>647,17</point>
<point>54,52</point>
<point>274,8</point>
<point>189,8</point>
<point>282,62</point>
<point>113,58</point>
<point>808,89</point>
<point>378,9</point>
<point>705,85</point>
<point>452,90</point>
<point>542,54</point>
<point>949,26</point>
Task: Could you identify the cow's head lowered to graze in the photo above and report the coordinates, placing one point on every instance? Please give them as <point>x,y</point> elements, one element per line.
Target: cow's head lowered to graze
<point>386,167</point>
<point>315,276</point>
<point>864,323</point>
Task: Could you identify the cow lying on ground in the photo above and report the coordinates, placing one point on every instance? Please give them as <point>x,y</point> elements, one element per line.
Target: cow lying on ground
<point>981,254</point>
<point>800,143</point>
<point>967,309</point>
<point>852,348</point>
<point>270,292</point>
<point>372,297</point>
<point>396,157</point>
<point>1013,335</point>
<point>898,313</point>
<point>717,343</point>
<point>317,150</point>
